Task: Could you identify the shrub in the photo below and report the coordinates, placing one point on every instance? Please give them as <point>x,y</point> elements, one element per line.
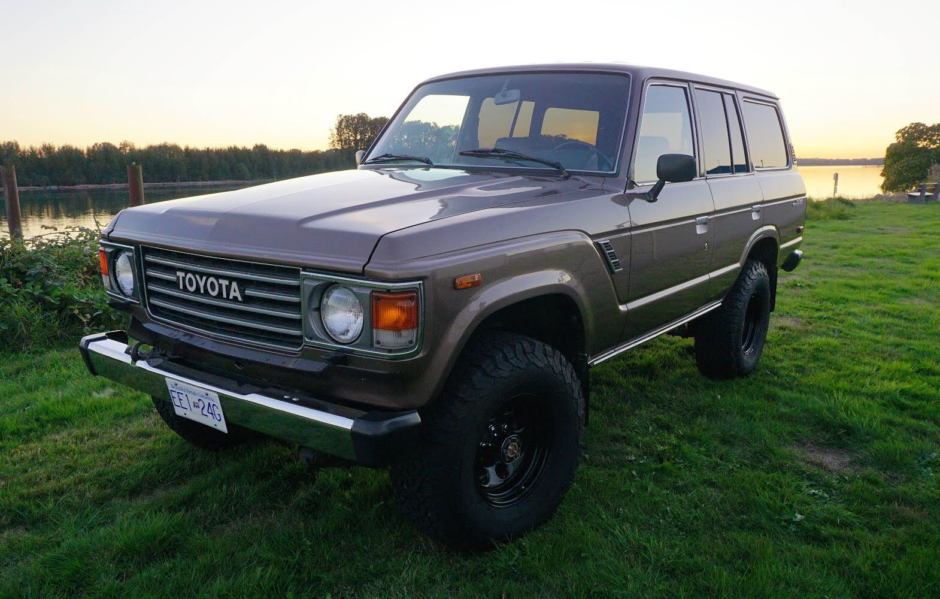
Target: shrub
<point>50,289</point>
<point>831,209</point>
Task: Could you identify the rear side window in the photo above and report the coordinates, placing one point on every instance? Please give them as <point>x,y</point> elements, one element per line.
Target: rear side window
<point>666,128</point>
<point>765,136</point>
<point>714,123</point>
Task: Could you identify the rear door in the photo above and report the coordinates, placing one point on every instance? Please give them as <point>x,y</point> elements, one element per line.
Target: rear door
<point>735,190</point>
<point>783,190</point>
<point>670,260</point>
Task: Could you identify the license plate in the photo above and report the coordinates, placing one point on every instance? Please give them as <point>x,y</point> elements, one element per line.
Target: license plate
<point>197,404</point>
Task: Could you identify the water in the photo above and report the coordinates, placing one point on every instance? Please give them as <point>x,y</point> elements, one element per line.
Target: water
<point>82,208</point>
<point>854,181</point>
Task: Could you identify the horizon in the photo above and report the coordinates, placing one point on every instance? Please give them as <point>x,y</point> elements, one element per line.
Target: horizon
<point>192,75</point>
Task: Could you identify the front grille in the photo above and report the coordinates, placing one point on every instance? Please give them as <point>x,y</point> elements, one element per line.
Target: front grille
<point>269,312</point>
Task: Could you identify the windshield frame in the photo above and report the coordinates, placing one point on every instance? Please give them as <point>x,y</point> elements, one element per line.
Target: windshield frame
<point>616,161</point>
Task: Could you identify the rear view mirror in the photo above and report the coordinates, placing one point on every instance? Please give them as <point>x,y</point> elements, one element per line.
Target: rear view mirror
<point>507,96</point>
<point>672,168</point>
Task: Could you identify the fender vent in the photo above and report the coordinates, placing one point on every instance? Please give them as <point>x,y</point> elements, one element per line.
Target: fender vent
<point>612,260</point>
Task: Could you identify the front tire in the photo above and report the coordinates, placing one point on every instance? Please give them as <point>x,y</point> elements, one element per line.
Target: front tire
<point>729,341</point>
<point>500,446</point>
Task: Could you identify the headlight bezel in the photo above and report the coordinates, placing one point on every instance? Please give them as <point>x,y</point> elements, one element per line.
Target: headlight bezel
<point>112,252</point>
<point>315,284</point>
<point>117,268</point>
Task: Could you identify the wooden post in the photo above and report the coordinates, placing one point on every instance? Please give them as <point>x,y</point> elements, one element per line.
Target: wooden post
<point>835,185</point>
<point>923,193</point>
<point>12,198</point>
<point>135,183</point>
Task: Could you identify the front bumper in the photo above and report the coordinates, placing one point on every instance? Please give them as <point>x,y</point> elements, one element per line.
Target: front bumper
<point>369,438</point>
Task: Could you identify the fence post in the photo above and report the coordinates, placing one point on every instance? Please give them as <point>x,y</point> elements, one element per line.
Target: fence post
<point>12,199</point>
<point>835,185</point>
<point>135,183</point>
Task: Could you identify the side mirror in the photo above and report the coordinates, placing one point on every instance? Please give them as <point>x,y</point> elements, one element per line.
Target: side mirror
<point>672,168</point>
<point>360,154</point>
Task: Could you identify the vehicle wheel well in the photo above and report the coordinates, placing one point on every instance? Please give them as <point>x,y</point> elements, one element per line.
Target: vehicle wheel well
<point>552,319</point>
<point>765,251</point>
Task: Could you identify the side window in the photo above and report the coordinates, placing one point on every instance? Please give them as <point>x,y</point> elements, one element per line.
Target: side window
<point>665,128</point>
<point>506,120</point>
<point>714,124</point>
<point>738,156</point>
<point>765,135</point>
<point>571,124</point>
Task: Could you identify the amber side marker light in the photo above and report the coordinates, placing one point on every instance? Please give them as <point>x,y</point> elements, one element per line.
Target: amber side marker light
<point>394,319</point>
<point>103,263</point>
<point>468,281</point>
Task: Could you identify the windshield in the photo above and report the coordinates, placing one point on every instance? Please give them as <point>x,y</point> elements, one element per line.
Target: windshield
<point>575,119</point>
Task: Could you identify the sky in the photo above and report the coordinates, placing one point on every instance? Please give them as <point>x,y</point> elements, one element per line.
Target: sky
<point>278,72</point>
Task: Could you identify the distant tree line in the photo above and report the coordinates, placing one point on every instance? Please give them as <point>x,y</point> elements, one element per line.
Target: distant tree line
<point>841,161</point>
<point>106,163</point>
<point>910,159</point>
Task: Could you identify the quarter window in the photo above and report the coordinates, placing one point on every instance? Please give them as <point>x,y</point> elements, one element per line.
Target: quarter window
<point>666,128</point>
<point>714,123</point>
<point>765,136</point>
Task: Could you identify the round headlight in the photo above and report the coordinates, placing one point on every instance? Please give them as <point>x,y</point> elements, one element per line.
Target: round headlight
<point>341,314</point>
<point>124,273</point>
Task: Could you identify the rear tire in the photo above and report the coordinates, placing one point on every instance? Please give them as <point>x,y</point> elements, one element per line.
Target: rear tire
<point>200,435</point>
<point>729,341</point>
<point>499,447</point>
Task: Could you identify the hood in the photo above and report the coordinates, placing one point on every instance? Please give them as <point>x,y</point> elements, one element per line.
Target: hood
<point>330,221</point>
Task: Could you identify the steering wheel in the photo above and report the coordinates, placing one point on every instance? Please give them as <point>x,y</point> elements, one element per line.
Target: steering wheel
<point>586,147</point>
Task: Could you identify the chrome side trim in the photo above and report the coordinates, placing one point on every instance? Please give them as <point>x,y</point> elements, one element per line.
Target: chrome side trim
<point>222,271</point>
<point>791,243</point>
<point>639,303</point>
<point>650,336</point>
<point>307,427</point>
<point>225,319</point>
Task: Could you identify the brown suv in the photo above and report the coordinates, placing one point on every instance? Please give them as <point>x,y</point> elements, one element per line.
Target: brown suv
<point>438,309</point>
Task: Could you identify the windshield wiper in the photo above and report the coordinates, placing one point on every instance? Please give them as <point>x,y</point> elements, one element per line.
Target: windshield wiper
<point>393,157</point>
<point>513,155</point>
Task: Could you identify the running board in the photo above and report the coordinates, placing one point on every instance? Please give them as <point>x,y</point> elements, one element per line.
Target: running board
<point>650,336</point>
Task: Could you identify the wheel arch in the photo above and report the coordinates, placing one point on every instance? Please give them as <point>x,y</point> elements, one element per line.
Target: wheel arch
<point>764,246</point>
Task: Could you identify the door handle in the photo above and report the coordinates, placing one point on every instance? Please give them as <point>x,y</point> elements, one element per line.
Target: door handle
<point>701,225</point>
<point>756,212</point>
<point>756,208</point>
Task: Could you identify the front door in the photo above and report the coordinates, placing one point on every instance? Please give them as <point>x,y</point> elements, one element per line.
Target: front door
<point>670,237</point>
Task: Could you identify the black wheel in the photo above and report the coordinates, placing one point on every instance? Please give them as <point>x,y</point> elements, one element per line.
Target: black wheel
<point>200,435</point>
<point>729,341</point>
<point>499,447</point>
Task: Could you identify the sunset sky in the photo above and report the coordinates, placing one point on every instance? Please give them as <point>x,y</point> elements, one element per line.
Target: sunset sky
<point>278,72</point>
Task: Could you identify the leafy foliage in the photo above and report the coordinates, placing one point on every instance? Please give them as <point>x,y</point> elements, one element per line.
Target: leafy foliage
<point>425,139</point>
<point>910,158</point>
<point>50,289</point>
<point>105,163</point>
<point>355,131</point>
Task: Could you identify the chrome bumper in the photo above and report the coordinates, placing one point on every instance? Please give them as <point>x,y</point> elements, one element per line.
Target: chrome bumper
<point>369,438</point>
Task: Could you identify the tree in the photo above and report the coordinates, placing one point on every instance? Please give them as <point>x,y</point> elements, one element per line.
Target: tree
<point>909,159</point>
<point>355,131</point>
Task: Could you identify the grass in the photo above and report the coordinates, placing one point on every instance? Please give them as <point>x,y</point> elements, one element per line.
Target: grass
<point>819,475</point>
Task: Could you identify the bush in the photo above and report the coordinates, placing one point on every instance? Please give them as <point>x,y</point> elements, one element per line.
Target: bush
<point>50,289</point>
<point>831,209</point>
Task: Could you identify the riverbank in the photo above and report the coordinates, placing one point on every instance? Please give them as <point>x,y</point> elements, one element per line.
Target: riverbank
<point>171,185</point>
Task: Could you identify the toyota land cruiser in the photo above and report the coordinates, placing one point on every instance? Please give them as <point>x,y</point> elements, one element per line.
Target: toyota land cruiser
<point>439,308</point>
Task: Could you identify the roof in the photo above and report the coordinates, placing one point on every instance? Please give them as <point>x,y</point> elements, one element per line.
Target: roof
<point>639,72</point>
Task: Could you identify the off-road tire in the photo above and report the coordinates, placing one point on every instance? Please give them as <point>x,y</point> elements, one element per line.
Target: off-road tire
<point>437,485</point>
<point>725,345</point>
<point>200,435</point>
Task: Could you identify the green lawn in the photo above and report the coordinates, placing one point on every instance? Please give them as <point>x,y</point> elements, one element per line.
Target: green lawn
<point>818,475</point>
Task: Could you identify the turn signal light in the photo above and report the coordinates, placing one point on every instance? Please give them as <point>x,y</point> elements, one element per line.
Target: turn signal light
<point>468,281</point>
<point>103,263</point>
<point>394,319</point>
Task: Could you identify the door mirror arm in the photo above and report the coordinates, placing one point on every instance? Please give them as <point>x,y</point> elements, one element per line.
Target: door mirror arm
<point>653,194</point>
